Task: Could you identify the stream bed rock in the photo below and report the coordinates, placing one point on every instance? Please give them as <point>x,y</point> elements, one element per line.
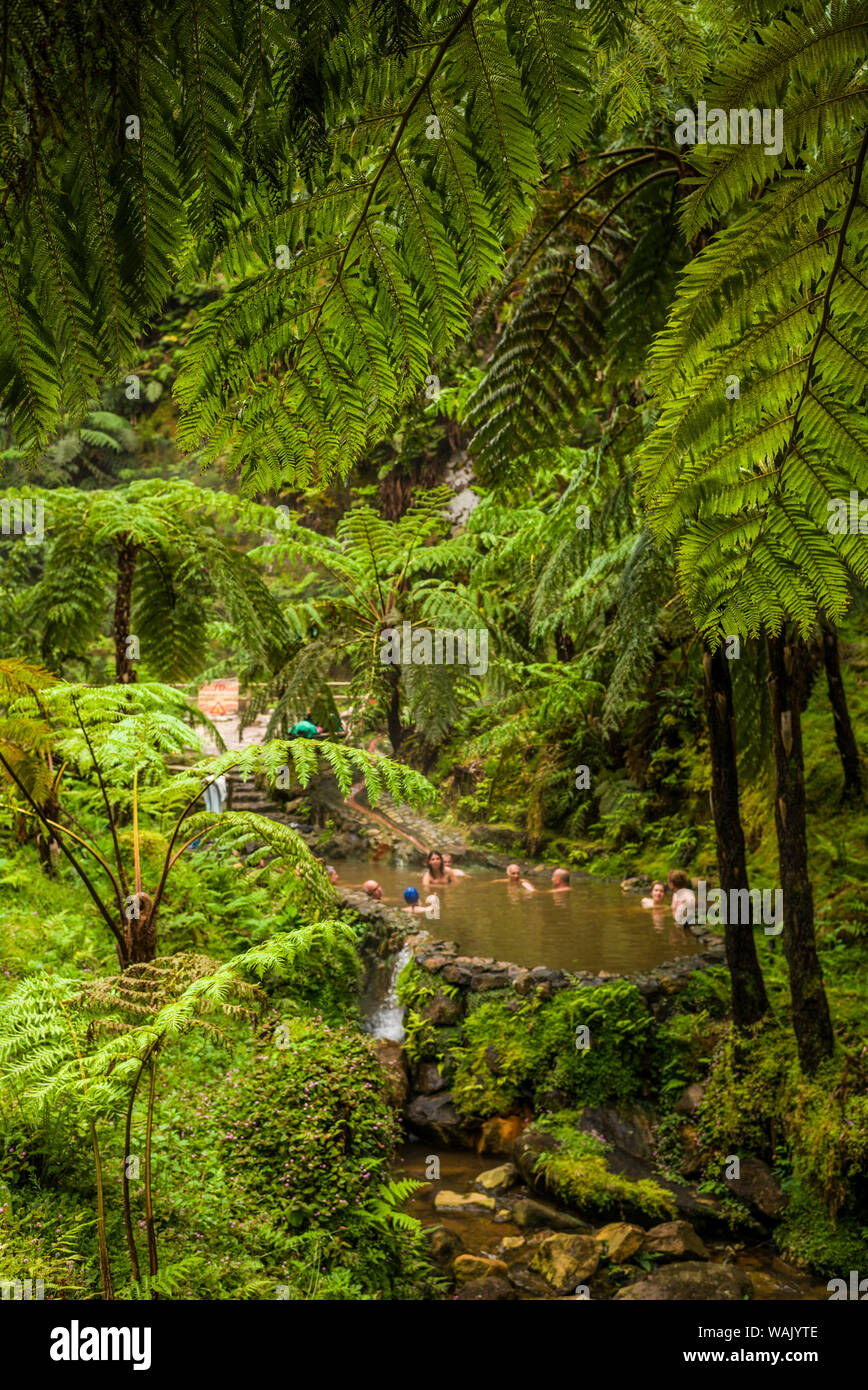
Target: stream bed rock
<point>689,1282</point>
<point>566,1260</point>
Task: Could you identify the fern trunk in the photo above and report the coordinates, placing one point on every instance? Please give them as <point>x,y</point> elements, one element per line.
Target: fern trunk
<point>393,712</point>
<point>749,998</point>
<point>812,1023</point>
<point>125,671</point>
<point>845,738</point>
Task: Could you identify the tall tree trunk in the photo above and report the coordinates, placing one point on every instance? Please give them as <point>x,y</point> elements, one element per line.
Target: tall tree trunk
<point>749,998</point>
<point>812,1023</point>
<point>844,735</point>
<point>125,671</point>
<point>393,712</point>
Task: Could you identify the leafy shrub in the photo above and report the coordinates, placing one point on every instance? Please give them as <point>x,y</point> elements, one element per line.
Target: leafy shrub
<point>808,1235</point>
<point>306,1141</point>
<point>508,1056</point>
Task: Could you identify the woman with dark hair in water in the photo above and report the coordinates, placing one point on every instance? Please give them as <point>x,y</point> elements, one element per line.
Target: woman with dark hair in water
<point>435,870</point>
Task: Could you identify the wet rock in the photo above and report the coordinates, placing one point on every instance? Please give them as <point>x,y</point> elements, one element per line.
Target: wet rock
<point>566,1260</point>
<point>630,1155</point>
<point>763,1285</point>
<point>758,1186</point>
<point>392,1060</point>
<point>418,939</point>
<point>688,1101</point>
<point>619,1240</point>
<point>527,1279</point>
<point>649,988</point>
<point>435,1117</point>
<point>510,1245</point>
<point>441,1010</point>
<point>503,1215</point>
<point>489,1290</point>
<point>489,979</point>
<point>498,1179</point>
<point>462,1201</point>
<point>689,1282</point>
<point>492,1059</point>
<point>435,963</point>
<point>467,1267</point>
<point>443,1244</point>
<point>455,974</point>
<point>639,883</point>
<point>677,1240</point>
<point>557,979</point>
<point>532,1215</point>
<point>499,1134</point>
<point>527,1150</point>
<point>429,1079</point>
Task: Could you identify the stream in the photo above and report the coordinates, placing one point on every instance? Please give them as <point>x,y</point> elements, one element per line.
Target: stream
<point>481,1233</point>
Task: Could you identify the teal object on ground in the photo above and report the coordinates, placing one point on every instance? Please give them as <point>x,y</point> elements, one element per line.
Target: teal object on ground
<point>303,729</point>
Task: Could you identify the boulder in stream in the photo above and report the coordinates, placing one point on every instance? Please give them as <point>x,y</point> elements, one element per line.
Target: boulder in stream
<point>675,1240</point>
<point>499,1134</point>
<point>619,1240</point>
<point>443,1245</point>
<point>467,1267</point>
<point>463,1201</point>
<point>435,1117</point>
<point>531,1215</point>
<point>689,1283</point>
<point>566,1260</point>
<point>498,1179</point>
<point>488,1290</point>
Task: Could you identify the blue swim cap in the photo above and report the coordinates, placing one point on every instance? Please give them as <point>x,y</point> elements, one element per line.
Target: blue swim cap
<point>411,895</point>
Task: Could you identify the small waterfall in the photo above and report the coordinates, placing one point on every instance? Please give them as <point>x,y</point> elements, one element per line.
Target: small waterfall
<point>382,1014</point>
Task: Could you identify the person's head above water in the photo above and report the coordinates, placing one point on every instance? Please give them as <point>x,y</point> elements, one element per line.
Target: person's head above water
<point>560,878</point>
<point>678,879</point>
<point>411,896</point>
<point>513,871</point>
<point>658,891</point>
<point>373,889</point>
<point>332,872</point>
<point>434,863</point>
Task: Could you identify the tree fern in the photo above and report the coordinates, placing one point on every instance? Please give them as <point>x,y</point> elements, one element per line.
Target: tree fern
<point>762,367</point>
<point>255,129</point>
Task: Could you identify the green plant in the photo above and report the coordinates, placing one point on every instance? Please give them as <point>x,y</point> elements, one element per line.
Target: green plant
<point>576,1172</point>
<point>507,1056</point>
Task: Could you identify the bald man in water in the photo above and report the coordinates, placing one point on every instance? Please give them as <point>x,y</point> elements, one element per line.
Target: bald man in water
<point>513,875</point>
<point>560,881</point>
<point>373,890</point>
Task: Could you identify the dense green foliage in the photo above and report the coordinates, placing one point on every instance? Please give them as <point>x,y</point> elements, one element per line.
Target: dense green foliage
<point>457,333</point>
